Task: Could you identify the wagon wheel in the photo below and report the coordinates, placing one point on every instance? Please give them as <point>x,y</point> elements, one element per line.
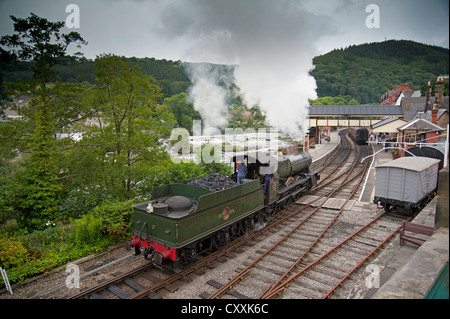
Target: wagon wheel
<point>188,256</point>
<point>234,230</point>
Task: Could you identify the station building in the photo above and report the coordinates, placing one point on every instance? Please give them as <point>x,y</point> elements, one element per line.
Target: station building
<point>412,122</point>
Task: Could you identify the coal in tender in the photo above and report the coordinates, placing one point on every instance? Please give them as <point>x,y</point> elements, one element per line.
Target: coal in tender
<point>213,182</point>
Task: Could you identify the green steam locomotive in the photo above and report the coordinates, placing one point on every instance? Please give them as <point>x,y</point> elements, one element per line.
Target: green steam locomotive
<point>183,220</point>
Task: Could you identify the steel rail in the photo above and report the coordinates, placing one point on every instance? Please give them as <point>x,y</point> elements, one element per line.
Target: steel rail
<point>111,281</point>
<point>332,158</point>
<point>297,262</point>
<point>361,262</point>
<point>319,185</point>
<point>226,287</point>
<point>282,286</point>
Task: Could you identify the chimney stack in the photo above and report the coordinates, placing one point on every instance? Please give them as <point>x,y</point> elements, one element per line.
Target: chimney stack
<point>439,94</point>
<point>428,97</point>
<point>434,113</point>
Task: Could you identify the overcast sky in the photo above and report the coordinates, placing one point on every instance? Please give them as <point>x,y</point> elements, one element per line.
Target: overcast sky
<point>192,30</point>
<point>271,42</point>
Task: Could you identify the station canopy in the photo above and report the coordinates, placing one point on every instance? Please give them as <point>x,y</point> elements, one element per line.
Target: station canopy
<point>388,125</point>
<point>355,110</point>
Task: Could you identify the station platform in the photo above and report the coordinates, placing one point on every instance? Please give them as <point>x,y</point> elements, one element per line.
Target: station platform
<point>412,270</point>
<point>320,151</point>
<point>407,271</point>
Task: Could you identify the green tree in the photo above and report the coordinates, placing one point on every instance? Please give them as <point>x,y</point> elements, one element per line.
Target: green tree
<point>41,42</point>
<point>338,100</point>
<point>121,144</point>
<point>182,109</point>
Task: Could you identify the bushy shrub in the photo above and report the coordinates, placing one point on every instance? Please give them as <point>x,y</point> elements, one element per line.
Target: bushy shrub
<point>87,230</point>
<point>12,252</point>
<point>116,219</point>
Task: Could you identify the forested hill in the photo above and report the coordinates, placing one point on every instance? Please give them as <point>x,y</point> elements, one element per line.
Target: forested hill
<point>170,75</point>
<point>364,72</point>
<point>367,71</point>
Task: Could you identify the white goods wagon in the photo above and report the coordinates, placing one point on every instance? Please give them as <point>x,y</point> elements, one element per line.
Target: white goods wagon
<point>407,182</point>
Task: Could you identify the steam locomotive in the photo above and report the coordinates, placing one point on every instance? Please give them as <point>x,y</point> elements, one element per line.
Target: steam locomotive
<point>183,220</point>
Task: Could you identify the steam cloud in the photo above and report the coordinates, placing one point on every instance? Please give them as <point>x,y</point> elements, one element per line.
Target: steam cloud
<point>271,44</point>
<point>207,95</point>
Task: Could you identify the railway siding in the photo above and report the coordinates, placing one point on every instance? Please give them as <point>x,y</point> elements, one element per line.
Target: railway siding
<point>205,279</point>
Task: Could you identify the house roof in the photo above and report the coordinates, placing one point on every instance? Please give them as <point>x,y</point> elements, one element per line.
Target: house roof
<point>427,115</point>
<point>420,125</point>
<point>412,105</point>
<point>349,110</point>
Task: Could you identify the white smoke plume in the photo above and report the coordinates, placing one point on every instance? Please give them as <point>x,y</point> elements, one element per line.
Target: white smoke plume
<point>271,44</point>
<point>207,95</point>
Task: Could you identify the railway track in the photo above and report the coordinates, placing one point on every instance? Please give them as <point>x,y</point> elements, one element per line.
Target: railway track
<point>279,260</point>
<point>321,277</point>
<point>130,285</point>
<point>304,229</point>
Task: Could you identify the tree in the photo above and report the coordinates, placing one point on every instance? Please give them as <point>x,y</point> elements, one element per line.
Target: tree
<point>120,144</point>
<point>337,100</point>
<point>41,42</point>
<point>182,109</point>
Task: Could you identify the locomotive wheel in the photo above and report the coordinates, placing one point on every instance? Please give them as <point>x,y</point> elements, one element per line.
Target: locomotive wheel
<point>216,243</point>
<point>297,196</point>
<point>242,228</point>
<point>289,181</point>
<point>234,229</point>
<point>249,224</point>
<point>271,210</point>
<point>286,203</point>
<point>220,239</point>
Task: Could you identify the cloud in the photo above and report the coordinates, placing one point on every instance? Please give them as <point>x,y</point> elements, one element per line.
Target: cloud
<point>271,43</point>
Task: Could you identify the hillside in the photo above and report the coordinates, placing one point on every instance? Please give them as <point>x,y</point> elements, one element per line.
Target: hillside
<point>366,71</point>
<point>170,75</point>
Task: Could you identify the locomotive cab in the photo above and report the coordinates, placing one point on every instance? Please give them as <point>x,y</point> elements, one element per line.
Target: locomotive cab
<point>262,166</point>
